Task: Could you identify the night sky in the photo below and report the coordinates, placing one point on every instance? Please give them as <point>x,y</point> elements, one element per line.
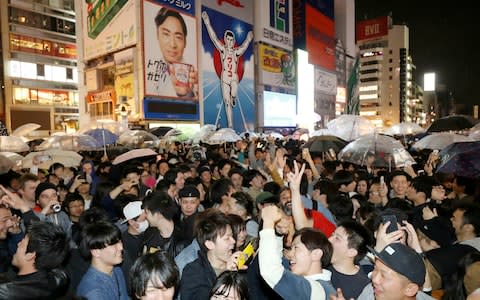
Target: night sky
<point>444,38</point>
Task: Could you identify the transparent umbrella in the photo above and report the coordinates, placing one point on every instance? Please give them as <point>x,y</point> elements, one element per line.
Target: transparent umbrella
<point>388,151</point>
<point>350,127</point>
<point>13,144</point>
<point>15,157</point>
<point>66,157</point>
<point>223,135</point>
<point>475,134</point>
<point>25,129</point>
<point>5,164</point>
<point>404,128</point>
<point>71,142</point>
<point>204,133</point>
<point>138,139</point>
<point>438,141</point>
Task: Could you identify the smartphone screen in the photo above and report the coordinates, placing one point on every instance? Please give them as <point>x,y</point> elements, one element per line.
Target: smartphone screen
<point>393,222</point>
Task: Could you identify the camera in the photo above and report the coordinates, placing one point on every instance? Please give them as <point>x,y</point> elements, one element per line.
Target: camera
<point>56,207</point>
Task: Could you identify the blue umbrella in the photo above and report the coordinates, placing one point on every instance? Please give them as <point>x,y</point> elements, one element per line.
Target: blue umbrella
<point>103,136</point>
<point>460,159</point>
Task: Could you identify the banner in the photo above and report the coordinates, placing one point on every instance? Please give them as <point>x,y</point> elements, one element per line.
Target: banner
<point>320,38</point>
<point>325,82</point>
<point>228,77</point>
<point>277,67</point>
<point>277,29</point>
<point>353,106</point>
<point>371,29</point>
<point>170,53</point>
<point>110,26</point>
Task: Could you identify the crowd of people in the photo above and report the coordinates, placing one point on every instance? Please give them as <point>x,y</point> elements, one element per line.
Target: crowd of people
<point>255,219</point>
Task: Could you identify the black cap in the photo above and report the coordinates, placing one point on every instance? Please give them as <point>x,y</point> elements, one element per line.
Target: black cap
<point>403,260</point>
<point>189,191</point>
<point>202,169</point>
<point>42,186</point>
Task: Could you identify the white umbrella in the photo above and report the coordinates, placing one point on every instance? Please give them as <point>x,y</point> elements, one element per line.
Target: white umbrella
<point>251,135</point>
<point>5,164</point>
<point>223,135</point>
<point>134,154</point>
<point>320,132</point>
<point>475,135</point>
<point>25,129</point>
<point>273,134</point>
<point>350,127</point>
<point>438,141</point>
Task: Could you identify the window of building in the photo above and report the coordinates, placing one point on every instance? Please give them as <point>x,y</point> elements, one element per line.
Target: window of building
<point>390,77</point>
<point>390,51</point>
<point>41,70</point>
<point>390,69</point>
<point>390,60</point>
<point>69,72</point>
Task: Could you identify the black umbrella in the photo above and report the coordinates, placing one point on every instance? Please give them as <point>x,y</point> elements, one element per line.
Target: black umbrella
<point>160,131</point>
<point>451,123</point>
<point>324,143</point>
<point>460,159</point>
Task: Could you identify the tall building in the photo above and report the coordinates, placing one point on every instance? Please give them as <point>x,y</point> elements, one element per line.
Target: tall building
<point>386,88</point>
<point>39,56</point>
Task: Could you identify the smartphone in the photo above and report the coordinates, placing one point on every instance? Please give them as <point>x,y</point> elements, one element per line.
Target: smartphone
<point>382,180</point>
<point>393,222</point>
<point>246,254</point>
<point>435,152</point>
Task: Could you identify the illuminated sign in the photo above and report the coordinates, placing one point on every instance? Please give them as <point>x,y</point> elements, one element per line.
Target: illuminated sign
<point>41,46</point>
<point>371,29</point>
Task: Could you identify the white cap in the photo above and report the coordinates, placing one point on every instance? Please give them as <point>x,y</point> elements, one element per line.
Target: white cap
<point>132,210</point>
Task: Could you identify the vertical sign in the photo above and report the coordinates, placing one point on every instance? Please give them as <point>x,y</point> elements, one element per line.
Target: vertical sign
<point>228,85</point>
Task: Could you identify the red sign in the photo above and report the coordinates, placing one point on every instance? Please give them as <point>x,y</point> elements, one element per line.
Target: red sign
<point>371,29</point>
<point>320,32</point>
<point>103,96</point>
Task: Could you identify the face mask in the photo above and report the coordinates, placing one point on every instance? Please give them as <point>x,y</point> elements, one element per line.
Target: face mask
<point>142,226</point>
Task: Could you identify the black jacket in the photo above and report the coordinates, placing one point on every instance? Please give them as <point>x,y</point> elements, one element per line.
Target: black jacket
<point>153,241</point>
<point>39,285</point>
<point>198,278</point>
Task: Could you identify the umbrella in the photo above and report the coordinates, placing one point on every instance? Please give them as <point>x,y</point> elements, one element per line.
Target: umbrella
<point>350,127</point>
<point>134,154</point>
<point>273,134</point>
<point>404,128</point>
<point>204,133</point>
<point>460,159</point>
<point>160,130</point>
<point>138,139</point>
<point>48,157</point>
<point>475,135</point>
<point>15,157</point>
<point>323,131</point>
<point>439,140</point>
<point>223,135</point>
<point>451,123</point>
<point>111,125</point>
<point>5,164</point>
<point>324,143</point>
<point>25,129</point>
<point>388,151</point>
<point>248,135</point>
<point>179,134</point>
<point>72,142</point>
<point>104,136</point>
<point>13,144</point>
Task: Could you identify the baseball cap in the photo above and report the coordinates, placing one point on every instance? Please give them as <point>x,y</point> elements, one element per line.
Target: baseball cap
<point>132,210</point>
<point>266,197</point>
<point>438,231</point>
<point>42,186</point>
<point>189,191</point>
<point>403,260</point>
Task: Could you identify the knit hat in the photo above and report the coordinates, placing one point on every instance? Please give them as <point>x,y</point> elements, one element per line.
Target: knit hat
<point>42,186</point>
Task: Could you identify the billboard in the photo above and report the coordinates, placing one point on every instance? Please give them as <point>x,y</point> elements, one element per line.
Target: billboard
<point>320,39</point>
<point>228,76</point>
<point>110,26</point>
<point>277,29</point>
<point>372,29</point>
<point>325,82</point>
<point>277,67</point>
<point>170,53</point>
<point>279,110</point>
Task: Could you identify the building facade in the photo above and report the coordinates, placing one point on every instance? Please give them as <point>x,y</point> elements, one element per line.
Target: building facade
<point>39,56</point>
<point>387,91</point>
